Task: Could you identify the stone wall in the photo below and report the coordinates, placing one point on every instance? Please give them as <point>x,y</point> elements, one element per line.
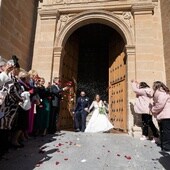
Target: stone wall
<point>165,12</point>
<point>17,27</point>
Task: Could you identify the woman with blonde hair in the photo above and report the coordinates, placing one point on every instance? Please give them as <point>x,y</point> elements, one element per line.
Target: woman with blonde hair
<point>34,98</point>
<point>22,117</point>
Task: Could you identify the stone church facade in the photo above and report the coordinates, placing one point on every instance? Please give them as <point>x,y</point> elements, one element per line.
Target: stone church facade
<point>137,48</point>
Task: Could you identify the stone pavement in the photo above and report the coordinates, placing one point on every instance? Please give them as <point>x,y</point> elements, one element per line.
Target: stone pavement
<point>82,151</point>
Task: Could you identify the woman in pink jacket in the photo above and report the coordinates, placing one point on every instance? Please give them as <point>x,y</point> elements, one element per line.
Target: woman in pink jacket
<point>142,106</point>
<point>161,110</point>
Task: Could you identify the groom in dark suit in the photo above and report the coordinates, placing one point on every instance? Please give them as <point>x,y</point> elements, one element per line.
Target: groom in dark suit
<point>81,110</point>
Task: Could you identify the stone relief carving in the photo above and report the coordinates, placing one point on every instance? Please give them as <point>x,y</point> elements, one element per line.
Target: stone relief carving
<point>126,16</point>
<point>63,19</point>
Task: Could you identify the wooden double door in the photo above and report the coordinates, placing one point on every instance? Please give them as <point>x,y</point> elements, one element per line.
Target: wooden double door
<point>116,84</point>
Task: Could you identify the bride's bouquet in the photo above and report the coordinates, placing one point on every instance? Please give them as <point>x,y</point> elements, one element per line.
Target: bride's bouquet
<point>102,110</point>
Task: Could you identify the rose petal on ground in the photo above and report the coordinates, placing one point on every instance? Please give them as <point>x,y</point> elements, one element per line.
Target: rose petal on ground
<point>57,163</point>
<point>128,157</point>
<point>57,150</point>
<point>66,159</point>
<point>118,154</point>
<point>60,144</point>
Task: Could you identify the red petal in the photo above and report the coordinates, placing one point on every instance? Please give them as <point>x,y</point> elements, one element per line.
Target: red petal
<point>57,163</point>
<point>128,157</point>
<point>60,144</point>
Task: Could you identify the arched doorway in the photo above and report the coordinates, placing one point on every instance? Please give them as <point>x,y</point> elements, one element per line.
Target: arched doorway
<point>94,58</point>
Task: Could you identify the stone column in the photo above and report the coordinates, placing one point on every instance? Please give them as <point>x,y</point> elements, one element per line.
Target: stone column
<point>44,44</point>
<point>143,17</point>
<point>57,67</point>
<point>133,119</point>
<point>144,67</point>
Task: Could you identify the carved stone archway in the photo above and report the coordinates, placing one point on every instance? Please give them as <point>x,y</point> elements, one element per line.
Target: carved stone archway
<point>111,20</point>
<point>95,16</point>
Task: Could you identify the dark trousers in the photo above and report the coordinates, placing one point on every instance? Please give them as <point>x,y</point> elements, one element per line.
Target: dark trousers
<point>4,143</point>
<point>80,120</point>
<point>54,116</point>
<point>164,126</point>
<point>147,122</point>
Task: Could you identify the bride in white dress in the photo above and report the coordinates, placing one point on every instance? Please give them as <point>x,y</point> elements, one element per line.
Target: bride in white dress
<point>99,121</point>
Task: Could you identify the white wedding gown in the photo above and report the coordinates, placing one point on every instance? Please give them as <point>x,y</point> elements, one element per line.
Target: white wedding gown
<point>98,122</point>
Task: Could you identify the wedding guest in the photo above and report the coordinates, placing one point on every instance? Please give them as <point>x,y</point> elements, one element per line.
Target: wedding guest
<point>4,75</point>
<point>10,104</point>
<point>161,110</point>
<point>22,117</point>
<point>34,99</point>
<point>142,106</point>
<point>56,91</point>
<point>2,64</point>
<point>43,110</point>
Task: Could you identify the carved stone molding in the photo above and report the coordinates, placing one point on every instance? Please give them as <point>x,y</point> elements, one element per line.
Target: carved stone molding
<point>139,9</point>
<point>49,2</point>
<point>48,14</point>
<point>58,51</point>
<point>130,49</point>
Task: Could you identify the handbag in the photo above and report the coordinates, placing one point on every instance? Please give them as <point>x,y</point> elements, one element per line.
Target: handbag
<point>26,104</point>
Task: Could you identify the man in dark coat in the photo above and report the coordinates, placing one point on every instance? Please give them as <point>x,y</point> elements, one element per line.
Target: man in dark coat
<point>81,112</point>
<point>56,91</point>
